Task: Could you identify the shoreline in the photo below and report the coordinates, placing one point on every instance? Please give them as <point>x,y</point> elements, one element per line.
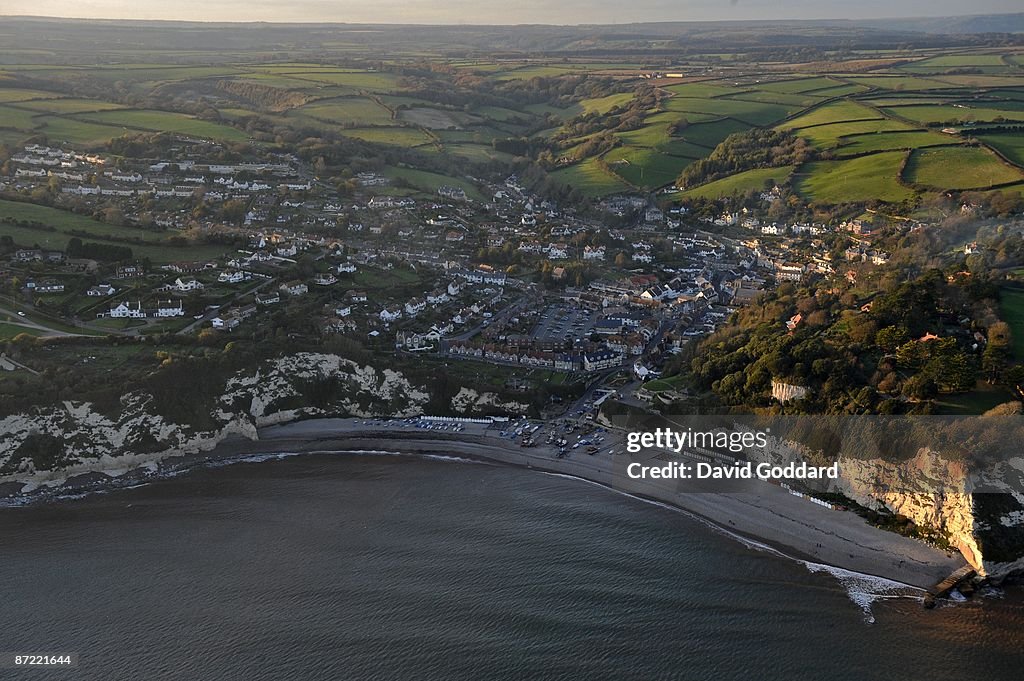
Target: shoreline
<point>762,513</point>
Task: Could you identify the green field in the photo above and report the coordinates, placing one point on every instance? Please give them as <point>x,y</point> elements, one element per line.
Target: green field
<point>401,137</point>
<point>19,95</point>
<point>16,118</point>
<point>740,183</point>
<point>645,167</point>
<point>604,104</point>
<point>357,110</point>
<point>166,121</point>
<point>825,136</point>
<point>833,112</point>
<point>864,179</point>
<point>59,129</point>
<point>710,134</point>
<point>590,179</point>
<point>68,105</point>
<point>981,80</point>
<point>65,222</point>
<point>1010,145</point>
<point>899,83</point>
<point>1011,306</point>
<point>755,113</point>
<point>884,141</point>
<point>839,91</point>
<point>959,168</point>
<point>704,89</point>
<point>947,113</point>
<point>429,182</point>
<point>788,100</point>
<point>799,85</point>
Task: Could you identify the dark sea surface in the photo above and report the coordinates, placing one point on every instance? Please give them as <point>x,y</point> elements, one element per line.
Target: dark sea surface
<point>387,567</point>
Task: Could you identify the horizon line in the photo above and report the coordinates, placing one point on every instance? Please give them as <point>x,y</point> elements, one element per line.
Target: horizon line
<point>287,22</point>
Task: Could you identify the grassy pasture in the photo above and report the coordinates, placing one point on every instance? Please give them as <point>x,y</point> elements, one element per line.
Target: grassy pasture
<point>982,80</point>
<point>740,183</point>
<point>1011,307</point>
<point>704,89</point>
<point>864,179</point>
<point>358,110</point>
<point>798,86</point>
<point>20,95</point>
<point>884,141</point>
<point>157,73</point>
<point>429,182</point>
<point>782,99</point>
<point>710,134</point>
<point>590,179</point>
<point>1010,145</point>
<point>372,81</point>
<point>678,147</point>
<point>64,222</point>
<point>942,113</point>
<point>958,168</point>
<point>74,131</point>
<point>166,121</point>
<point>397,136</point>
<point>16,118</point>
<point>605,104</point>
<point>755,113</point>
<point>645,167</point>
<point>833,112</point>
<point>839,91</point>
<point>479,153</point>
<point>951,60</point>
<point>826,136</point>
<point>898,83</point>
<point>69,105</point>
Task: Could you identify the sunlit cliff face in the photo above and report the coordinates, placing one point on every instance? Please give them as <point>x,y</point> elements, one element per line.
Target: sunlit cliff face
<point>493,12</point>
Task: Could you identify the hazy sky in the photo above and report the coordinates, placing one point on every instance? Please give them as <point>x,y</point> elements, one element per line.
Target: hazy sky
<point>499,11</point>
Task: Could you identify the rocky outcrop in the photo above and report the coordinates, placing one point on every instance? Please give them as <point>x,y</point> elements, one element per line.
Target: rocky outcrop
<point>469,401</point>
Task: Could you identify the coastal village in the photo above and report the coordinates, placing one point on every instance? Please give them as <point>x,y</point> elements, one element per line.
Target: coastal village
<point>507,277</point>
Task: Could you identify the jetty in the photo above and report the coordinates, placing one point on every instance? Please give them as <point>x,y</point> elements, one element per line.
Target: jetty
<point>957,577</point>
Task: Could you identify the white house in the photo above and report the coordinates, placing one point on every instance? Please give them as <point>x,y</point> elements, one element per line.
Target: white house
<point>294,288</point>
<point>169,308</point>
<point>126,310</point>
<point>591,253</point>
<point>186,285</point>
<point>438,297</point>
<point>414,306</point>
<point>390,314</point>
<point>101,290</point>
<point>231,277</point>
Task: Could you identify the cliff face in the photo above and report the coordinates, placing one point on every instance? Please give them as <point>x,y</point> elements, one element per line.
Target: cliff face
<point>982,513</point>
<point>55,443</point>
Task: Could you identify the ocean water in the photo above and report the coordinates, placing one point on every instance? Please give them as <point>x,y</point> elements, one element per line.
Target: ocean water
<point>384,567</point>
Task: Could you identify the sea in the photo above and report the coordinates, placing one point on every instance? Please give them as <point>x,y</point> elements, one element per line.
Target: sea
<point>376,566</point>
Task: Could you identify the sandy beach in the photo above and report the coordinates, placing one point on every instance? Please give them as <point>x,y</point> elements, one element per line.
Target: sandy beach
<point>761,512</point>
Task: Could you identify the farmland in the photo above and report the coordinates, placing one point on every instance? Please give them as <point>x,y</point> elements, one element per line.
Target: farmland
<point>872,104</point>
<point>740,183</point>
<point>863,179</point>
<point>1011,305</point>
<point>955,168</point>
<point>56,227</point>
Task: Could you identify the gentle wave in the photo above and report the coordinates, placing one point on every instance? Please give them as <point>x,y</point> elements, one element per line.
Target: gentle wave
<point>863,589</point>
